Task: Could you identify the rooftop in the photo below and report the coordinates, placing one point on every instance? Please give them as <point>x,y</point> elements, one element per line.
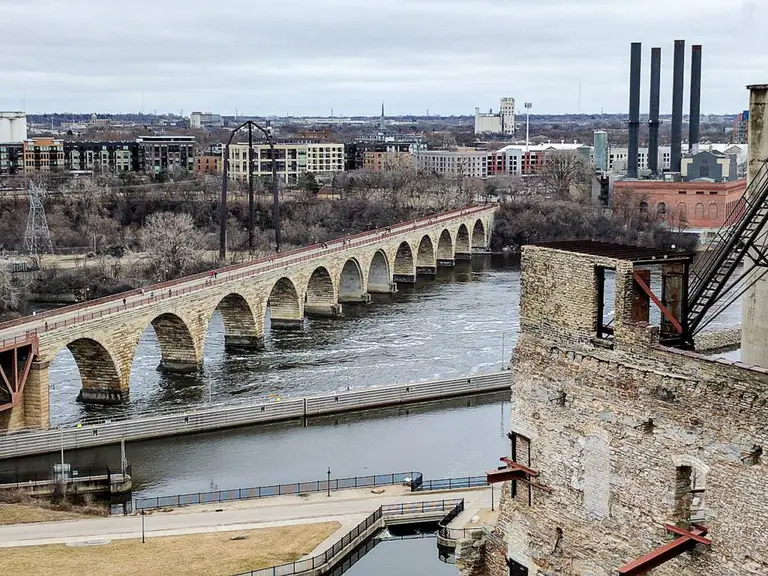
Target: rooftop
<point>636,254</point>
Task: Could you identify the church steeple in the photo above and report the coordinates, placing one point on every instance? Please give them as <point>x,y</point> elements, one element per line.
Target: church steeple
<point>381,121</point>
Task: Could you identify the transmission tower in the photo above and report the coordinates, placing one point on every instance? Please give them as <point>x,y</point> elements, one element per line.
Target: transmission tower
<point>37,238</point>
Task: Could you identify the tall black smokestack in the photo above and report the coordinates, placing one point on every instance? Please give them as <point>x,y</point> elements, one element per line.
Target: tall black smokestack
<point>634,109</point>
<point>653,120</point>
<point>677,106</point>
<point>695,115</point>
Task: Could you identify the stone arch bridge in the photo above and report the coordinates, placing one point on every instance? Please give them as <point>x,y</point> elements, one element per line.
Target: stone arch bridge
<point>103,334</point>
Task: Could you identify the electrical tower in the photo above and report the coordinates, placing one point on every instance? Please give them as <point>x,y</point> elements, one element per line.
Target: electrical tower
<point>37,238</point>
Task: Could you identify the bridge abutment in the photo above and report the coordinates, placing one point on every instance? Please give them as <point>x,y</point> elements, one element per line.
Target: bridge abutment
<point>446,263</point>
<point>390,288</point>
<point>103,396</point>
<point>362,298</point>
<point>463,256</point>
<point>287,324</point>
<point>404,278</point>
<point>243,342</point>
<point>426,271</point>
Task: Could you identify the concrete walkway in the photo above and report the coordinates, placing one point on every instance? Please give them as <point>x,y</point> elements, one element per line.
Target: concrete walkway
<point>349,507</point>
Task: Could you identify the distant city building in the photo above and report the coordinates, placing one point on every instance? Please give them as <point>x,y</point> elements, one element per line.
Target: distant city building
<point>372,150</point>
<point>617,157</point>
<point>324,160</point>
<point>102,157</point>
<point>740,128</point>
<point>166,153</point>
<point>13,127</point>
<point>208,165</point>
<point>205,120</point>
<point>514,160</point>
<point>699,204</point>
<point>464,162</point>
<point>502,122</point>
<point>715,166</point>
<point>379,161</point>
<point>43,155</point>
<point>11,159</point>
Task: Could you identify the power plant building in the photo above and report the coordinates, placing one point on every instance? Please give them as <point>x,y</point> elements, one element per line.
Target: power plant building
<point>13,127</point>
<point>502,122</point>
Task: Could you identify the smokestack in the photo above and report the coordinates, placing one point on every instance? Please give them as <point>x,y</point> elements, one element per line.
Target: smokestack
<point>653,120</point>
<point>634,109</point>
<point>695,114</point>
<point>677,106</point>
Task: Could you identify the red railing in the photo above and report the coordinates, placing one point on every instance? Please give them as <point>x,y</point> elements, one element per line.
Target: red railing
<point>157,292</point>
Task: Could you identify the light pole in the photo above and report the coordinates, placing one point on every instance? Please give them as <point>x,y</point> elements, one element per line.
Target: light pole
<point>142,527</point>
<point>61,439</point>
<point>223,209</point>
<point>329,481</point>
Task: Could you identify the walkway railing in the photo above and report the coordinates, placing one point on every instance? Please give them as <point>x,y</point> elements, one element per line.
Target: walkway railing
<point>171,288</point>
<point>365,528</point>
<point>411,479</point>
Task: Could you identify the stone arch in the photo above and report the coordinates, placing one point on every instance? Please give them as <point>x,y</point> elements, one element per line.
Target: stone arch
<point>462,242</point>
<point>445,249</point>
<point>240,329</point>
<point>405,264</point>
<point>99,373</point>
<point>379,274</point>
<point>689,489</point>
<point>177,345</point>
<point>478,235</point>
<point>425,257</point>
<point>320,296</point>
<point>285,306</point>
<point>351,282</point>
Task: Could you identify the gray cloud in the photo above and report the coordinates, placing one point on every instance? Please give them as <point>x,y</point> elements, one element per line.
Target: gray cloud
<point>304,57</point>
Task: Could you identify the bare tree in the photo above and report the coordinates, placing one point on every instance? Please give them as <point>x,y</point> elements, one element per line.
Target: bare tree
<point>173,245</point>
<point>561,170</point>
<point>10,291</point>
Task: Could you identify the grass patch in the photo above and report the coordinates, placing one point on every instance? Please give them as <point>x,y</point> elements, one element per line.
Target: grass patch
<point>213,553</point>
<point>19,508</point>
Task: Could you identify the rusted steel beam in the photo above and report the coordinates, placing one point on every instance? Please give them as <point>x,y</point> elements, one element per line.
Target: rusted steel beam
<point>516,465</point>
<point>698,535</point>
<point>536,485</point>
<point>25,374</point>
<point>504,475</point>
<point>652,296</point>
<point>663,554</point>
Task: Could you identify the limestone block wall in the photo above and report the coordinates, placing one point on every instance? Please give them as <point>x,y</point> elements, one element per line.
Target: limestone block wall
<point>622,436</point>
<point>104,346</point>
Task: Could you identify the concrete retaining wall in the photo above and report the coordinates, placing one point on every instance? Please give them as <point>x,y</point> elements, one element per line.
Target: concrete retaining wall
<point>46,441</point>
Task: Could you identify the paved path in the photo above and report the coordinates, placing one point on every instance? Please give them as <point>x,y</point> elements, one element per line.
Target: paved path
<point>349,507</point>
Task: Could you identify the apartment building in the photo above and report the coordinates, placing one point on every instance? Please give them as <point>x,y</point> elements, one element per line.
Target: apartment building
<point>166,153</point>
<point>206,164</point>
<point>11,159</point>
<point>324,160</point>
<point>357,152</point>
<point>379,161</point>
<point>464,162</point>
<point>102,157</point>
<point>43,154</point>
<point>516,160</point>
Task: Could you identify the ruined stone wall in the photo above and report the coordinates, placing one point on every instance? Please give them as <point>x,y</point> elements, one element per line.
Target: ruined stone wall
<point>619,434</point>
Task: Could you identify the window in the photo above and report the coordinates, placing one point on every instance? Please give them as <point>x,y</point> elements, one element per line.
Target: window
<point>661,208</point>
<point>713,192</point>
<point>700,192</point>
<point>704,171</point>
<point>712,211</point>
<point>699,210</point>
<point>681,192</point>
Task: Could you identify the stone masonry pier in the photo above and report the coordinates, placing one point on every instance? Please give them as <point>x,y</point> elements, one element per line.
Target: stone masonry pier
<point>103,334</point>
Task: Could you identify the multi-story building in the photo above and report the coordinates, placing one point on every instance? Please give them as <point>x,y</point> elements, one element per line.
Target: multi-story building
<point>166,153</point>
<point>502,122</point>
<point>380,161</point>
<point>374,150</point>
<point>208,164</point>
<point>716,166</point>
<point>464,162</point>
<point>324,160</point>
<point>43,155</point>
<point>617,157</point>
<point>698,204</point>
<point>102,157</point>
<point>515,160</point>
<point>740,128</point>
<point>11,159</point>
<point>205,120</point>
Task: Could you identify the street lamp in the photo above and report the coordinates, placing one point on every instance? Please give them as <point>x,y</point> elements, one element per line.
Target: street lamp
<point>224,212</point>
<point>329,481</point>
<point>528,106</point>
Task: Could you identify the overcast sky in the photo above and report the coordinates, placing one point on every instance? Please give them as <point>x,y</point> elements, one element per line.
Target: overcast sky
<point>305,57</point>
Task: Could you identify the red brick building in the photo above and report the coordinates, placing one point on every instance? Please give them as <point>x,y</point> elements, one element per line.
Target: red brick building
<point>208,165</point>
<point>700,203</point>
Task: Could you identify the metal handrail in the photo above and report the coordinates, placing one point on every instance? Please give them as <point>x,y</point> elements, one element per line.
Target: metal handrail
<point>253,267</point>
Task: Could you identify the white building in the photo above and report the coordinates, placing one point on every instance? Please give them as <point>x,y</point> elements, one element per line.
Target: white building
<point>323,160</point>
<point>502,122</point>
<point>466,162</point>
<point>205,120</point>
<point>13,127</point>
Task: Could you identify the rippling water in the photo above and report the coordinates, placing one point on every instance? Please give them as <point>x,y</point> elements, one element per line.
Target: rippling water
<point>449,326</point>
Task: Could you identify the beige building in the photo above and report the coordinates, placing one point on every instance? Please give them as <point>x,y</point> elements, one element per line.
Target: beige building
<point>467,162</point>
<point>322,160</point>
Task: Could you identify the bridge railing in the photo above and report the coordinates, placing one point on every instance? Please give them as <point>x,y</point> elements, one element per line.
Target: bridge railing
<point>248,269</point>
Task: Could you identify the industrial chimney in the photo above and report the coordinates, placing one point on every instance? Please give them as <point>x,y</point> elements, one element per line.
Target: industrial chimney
<point>695,110</point>
<point>634,109</point>
<point>677,106</point>
<point>653,119</point>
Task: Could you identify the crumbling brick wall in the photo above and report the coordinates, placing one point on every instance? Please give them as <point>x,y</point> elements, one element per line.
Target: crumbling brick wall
<point>613,431</point>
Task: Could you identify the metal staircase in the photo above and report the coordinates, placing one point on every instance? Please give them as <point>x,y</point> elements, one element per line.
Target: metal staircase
<point>717,281</point>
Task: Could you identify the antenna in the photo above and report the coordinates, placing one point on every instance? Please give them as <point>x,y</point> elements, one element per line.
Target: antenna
<point>37,237</point>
